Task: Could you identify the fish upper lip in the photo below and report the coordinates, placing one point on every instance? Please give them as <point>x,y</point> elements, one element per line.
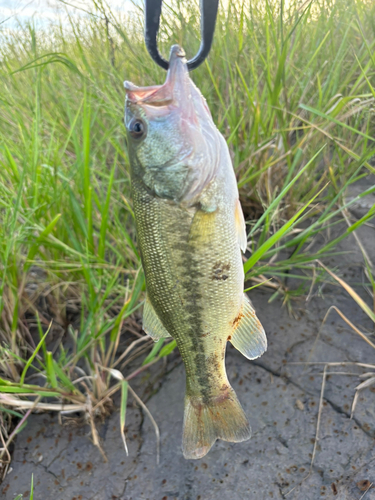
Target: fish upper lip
<point>177,81</point>
<point>176,52</point>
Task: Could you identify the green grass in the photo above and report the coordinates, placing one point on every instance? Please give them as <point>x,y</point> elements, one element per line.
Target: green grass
<point>291,93</point>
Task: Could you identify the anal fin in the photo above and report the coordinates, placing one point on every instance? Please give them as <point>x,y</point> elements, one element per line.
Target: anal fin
<point>249,336</point>
<point>152,324</point>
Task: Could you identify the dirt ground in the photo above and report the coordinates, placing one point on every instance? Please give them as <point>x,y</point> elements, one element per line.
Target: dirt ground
<point>280,398</point>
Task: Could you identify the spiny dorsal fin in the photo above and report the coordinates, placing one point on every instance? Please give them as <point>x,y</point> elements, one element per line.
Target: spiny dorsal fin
<point>249,336</point>
<point>240,226</point>
<point>151,322</point>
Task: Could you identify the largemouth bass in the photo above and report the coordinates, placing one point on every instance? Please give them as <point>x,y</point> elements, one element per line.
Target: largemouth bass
<point>191,230</point>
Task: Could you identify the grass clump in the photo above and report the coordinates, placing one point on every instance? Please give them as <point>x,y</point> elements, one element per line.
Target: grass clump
<point>290,88</point>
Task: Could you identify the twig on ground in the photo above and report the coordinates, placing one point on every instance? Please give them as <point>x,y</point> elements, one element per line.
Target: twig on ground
<point>362,496</point>
<point>94,432</point>
<point>23,405</point>
<point>11,437</point>
<point>319,417</point>
<point>126,352</point>
<point>359,387</point>
<point>157,433</point>
<point>316,432</point>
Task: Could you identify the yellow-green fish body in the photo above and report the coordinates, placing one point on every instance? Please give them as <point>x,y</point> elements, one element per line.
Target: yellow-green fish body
<point>190,232</point>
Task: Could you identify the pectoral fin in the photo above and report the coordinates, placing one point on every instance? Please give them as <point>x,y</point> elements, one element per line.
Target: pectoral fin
<point>152,324</point>
<point>240,227</point>
<point>249,336</point>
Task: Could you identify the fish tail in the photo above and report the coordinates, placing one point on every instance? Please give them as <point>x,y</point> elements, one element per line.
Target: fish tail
<point>221,417</point>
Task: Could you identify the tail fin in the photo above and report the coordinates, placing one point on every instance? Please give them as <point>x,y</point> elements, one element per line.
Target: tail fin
<point>222,418</point>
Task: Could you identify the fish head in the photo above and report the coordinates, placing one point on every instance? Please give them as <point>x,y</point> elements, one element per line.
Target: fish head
<point>172,140</point>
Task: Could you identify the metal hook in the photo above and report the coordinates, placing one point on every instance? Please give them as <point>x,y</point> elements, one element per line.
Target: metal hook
<point>152,22</point>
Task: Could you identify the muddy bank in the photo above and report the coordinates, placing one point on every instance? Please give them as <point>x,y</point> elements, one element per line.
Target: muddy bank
<point>280,398</point>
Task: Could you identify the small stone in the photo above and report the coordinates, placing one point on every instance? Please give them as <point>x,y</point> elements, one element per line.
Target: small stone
<point>300,405</point>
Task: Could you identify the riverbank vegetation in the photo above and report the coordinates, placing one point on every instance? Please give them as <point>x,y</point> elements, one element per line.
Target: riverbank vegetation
<point>291,89</point>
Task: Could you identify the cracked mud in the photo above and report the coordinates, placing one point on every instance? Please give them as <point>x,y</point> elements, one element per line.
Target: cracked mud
<point>280,398</point>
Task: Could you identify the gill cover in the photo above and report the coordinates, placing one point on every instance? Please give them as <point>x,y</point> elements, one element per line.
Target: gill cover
<point>173,143</point>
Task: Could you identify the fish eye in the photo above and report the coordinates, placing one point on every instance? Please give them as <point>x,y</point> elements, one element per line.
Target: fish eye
<point>137,128</point>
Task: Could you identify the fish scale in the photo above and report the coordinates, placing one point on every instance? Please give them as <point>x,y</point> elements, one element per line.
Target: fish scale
<point>190,231</point>
<point>179,287</point>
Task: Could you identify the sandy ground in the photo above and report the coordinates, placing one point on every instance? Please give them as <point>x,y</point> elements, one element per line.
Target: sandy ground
<point>280,398</point>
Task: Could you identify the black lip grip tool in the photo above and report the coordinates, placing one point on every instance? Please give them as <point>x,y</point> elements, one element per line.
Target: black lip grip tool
<point>152,21</point>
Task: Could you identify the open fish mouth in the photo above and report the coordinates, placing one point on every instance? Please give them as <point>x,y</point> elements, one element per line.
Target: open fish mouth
<point>176,86</point>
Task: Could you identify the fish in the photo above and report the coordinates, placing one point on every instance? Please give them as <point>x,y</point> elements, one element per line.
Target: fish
<point>190,232</point>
